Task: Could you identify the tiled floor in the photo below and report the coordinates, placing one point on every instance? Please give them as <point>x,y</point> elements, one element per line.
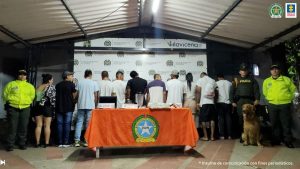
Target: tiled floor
<point>221,154</point>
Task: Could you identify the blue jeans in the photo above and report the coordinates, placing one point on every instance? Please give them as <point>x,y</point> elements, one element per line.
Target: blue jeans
<point>82,115</point>
<point>63,127</point>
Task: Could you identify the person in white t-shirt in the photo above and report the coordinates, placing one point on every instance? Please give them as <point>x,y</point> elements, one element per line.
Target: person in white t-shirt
<point>189,100</point>
<point>105,85</point>
<point>224,107</point>
<point>175,90</point>
<point>87,100</point>
<point>206,90</point>
<point>119,88</point>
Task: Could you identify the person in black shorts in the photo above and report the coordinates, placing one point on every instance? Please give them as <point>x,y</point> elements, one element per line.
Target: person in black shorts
<point>44,108</point>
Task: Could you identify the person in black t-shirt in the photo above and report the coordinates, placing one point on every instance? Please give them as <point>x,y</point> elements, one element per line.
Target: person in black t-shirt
<point>134,86</point>
<point>65,104</point>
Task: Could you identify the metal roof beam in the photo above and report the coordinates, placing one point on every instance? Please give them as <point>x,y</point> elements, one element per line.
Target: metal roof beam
<point>14,36</point>
<point>277,36</point>
<point>220,19</point>
<point>74,18</point>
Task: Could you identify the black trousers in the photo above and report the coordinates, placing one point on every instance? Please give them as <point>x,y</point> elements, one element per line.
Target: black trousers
<point>17,126</point>
<point>281,119</point>
<point>224,119</point>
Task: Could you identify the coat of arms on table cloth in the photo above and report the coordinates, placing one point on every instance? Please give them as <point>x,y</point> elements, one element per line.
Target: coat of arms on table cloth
<point>145,129</point>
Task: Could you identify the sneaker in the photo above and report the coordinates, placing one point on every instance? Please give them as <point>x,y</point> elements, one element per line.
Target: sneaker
<point>60,146</point>
<point>77,144</point>
<point>84,144</point>
<point>22,147</point>
<point>65,146</point>
<point>289,145</point>
<point>9,148</point>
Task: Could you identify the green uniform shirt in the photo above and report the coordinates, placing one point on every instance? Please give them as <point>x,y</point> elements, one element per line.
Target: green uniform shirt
<point>19,94</point>
<point>246,87</point>
<point>279,91</point>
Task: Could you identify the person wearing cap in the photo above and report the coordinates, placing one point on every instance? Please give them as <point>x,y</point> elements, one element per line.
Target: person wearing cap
<point>134,86</point>
<point>18,96</point>
<point>245,90</point>
<point>156,90</point>
<point>205,94</point>
<point>87,94</point>
<point>119,88</point>
<point>65,104</point>
<point>279,92</point>
<point>176,91</point>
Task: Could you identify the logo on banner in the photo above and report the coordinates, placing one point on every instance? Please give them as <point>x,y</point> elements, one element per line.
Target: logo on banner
<point>169,63</point>
<point>145,128</point>
<point>290,10</point>
<point>107,43</point>
<point>199,63</point>
<point>182,72</point>
<point>87,43</point>
<point>107,62</point>
<point>151,72</point>
<point>182,55</point>
<point>138,43</point>
<point>88,53</point>
<point>76,62</point>
<point>275,11</point>
<point>139,63</point>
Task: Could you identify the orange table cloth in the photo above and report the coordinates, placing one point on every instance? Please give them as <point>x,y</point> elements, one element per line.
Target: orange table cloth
<point>116,127</point>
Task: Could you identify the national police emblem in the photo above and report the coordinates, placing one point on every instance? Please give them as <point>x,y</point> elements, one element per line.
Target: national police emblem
<point>145,128</point>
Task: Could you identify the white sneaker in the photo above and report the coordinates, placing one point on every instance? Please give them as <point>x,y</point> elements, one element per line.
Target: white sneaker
<point>77,143</point>
<point>60,146</point>
<point>65,146</point>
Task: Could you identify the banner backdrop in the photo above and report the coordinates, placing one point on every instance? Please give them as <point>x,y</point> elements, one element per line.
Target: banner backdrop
<point>146,64</point>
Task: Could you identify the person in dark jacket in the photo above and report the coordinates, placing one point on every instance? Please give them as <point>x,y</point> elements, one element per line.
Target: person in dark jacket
<point>245,90</point>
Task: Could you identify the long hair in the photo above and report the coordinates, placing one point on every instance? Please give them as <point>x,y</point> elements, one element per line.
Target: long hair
<point>189,80</point>
<point>46,78</point>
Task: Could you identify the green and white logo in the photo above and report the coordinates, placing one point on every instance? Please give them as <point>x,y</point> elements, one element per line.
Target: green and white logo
<point>145,129</point>
<point>276,11</point>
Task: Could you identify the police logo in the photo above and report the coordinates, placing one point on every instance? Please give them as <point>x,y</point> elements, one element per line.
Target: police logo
<point>169,63</point>
<point>182,55</point>
<point>199,63</point>
<point>107,62</point>
<point>107,43</point>
<point>275,11</point>
<point>76,62</point>
<point>182,72</point>
<point>138,43</point>
<point>120,54</point>
<point>139,63</point>
<point>145,129</point>
<point>88,53</point>
<point>151,72</point>
<point>87,44</point>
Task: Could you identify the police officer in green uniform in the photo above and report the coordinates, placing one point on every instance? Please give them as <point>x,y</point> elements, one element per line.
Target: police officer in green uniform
<point>279,92</point>
<point>245,90</point>
<point>18,95</point>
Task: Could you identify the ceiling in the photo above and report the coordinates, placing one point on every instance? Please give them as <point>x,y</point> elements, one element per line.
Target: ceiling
<point>244,23</point>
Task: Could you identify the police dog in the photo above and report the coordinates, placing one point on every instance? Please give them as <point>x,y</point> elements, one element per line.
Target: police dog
<point>251,134</point>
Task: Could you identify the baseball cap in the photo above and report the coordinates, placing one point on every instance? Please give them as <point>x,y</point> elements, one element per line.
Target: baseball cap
<point>22,72</point>
<point>174,72</point>
<point>243,67</point>
<point>67,73</point>
<point>275,66</point>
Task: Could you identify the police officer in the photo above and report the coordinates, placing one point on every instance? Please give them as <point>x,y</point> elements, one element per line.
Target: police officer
<point>18,95</point>
<point>279,91</point>
<point>245,90</point>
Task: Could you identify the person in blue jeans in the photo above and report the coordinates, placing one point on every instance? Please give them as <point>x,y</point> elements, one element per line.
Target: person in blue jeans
<point>65,104</point>
<point>87,100</point>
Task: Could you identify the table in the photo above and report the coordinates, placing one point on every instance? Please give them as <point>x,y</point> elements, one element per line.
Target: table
<point>140,128</point>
